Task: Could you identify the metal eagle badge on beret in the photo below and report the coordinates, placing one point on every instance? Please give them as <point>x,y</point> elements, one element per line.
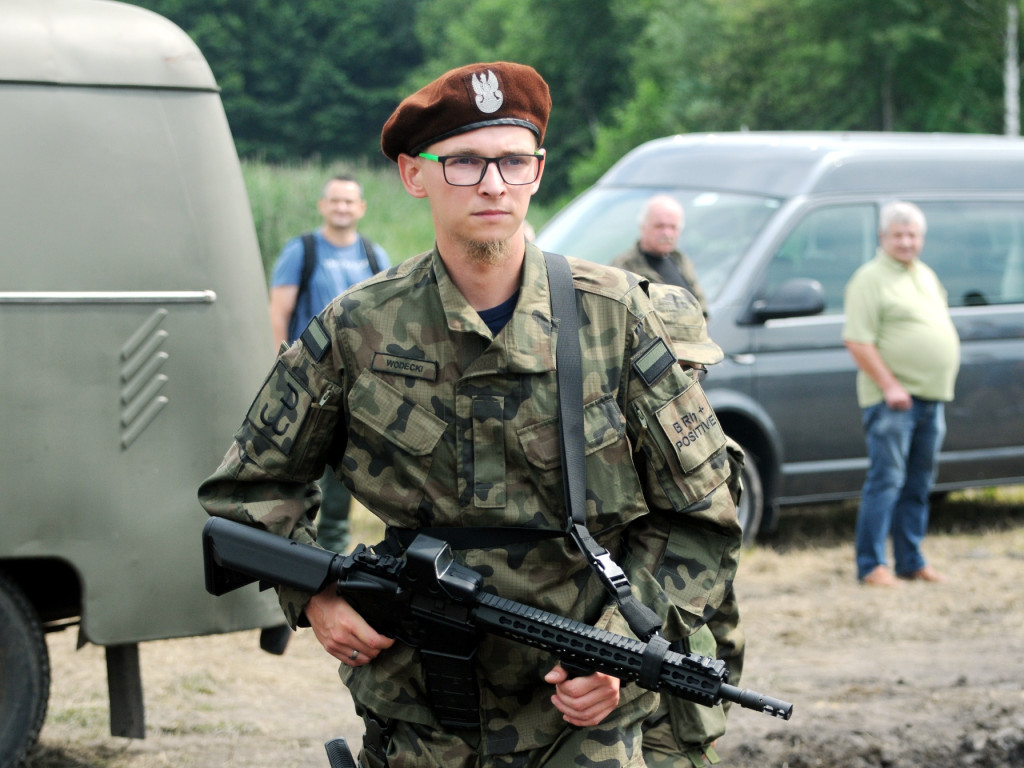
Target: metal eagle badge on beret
<point>489,97</point>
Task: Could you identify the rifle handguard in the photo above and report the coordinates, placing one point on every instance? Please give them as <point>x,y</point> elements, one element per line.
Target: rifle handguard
<point>399,595</point>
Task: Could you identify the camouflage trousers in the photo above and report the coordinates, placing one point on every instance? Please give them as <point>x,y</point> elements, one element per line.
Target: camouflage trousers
<point>663,748</point>
<point>615,742</point>
<point>332,526</point>
<point>680,734</point>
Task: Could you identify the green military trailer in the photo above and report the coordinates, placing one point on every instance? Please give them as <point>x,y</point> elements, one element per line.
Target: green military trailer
<point>133,328</point>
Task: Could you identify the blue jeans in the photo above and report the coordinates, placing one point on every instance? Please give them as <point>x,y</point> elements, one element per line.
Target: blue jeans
<point>903,447</point>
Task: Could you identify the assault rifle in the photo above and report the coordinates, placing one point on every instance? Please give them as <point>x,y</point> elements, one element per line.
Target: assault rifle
<point>424,595</point>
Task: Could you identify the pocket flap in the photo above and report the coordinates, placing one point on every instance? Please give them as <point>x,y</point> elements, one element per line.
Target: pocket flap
<point>382,408</point>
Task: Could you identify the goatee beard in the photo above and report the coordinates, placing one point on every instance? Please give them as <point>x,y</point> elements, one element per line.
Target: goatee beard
<point>490,253</point>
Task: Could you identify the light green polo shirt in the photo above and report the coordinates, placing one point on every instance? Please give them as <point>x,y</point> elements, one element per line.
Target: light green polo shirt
<point>901,309</point>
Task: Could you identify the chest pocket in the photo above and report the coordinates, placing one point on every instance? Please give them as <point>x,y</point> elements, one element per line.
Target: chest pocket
<point>390,446</point>
<point>603,424</point>
<point>611,479</point>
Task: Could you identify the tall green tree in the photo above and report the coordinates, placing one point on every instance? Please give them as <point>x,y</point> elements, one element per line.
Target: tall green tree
<point>308,78</point>
<point>713,65</point>
<point>903,65</point>
<point>669,64</point>
<point>576,45</point>
<point>303,78</point>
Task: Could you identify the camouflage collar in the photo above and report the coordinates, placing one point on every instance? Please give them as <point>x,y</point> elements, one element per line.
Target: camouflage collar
<point>526,342</point>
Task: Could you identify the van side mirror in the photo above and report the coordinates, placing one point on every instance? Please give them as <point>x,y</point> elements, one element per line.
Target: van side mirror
<point>799,297</point>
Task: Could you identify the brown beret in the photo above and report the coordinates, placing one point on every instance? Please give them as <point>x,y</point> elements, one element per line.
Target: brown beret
<point>684,320</point>
<point>467,98</point>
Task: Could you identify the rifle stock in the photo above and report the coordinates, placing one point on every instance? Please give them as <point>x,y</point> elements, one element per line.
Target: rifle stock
<point>423,591</point>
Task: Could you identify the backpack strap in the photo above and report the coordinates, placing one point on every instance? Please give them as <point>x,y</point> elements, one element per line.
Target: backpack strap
<point>308,261</point>
<point>370,249</point>
<point>309,258</point>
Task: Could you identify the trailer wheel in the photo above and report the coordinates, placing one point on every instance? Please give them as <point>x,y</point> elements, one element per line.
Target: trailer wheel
<point>24,675</point>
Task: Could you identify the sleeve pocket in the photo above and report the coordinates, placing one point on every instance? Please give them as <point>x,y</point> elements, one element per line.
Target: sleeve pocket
<point>690,569</point>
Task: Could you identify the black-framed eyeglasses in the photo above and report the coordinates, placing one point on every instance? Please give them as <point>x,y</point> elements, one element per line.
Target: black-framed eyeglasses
<point>469,170</point>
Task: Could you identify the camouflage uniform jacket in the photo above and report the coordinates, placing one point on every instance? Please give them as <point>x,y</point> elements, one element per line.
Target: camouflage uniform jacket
<point>434,422</point>
<point>634,260</point>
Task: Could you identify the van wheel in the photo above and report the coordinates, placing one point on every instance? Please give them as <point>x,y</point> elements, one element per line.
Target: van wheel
<point>24,675</point>
<point>751,506</point>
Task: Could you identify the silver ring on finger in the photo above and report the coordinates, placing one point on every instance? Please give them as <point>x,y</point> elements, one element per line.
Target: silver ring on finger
<point>354,655</point>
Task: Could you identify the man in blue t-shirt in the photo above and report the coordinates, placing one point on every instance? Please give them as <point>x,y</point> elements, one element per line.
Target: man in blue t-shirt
<point>341,261</point>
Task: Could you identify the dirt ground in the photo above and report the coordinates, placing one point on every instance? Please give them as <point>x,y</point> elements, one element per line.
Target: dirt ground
<point>928,675</point>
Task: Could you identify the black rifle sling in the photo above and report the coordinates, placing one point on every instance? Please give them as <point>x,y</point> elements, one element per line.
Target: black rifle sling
<point>569,371</point>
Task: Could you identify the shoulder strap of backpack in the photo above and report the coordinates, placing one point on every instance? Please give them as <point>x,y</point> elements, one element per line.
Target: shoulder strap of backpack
<point>308,260</point>
<point>371,254</point>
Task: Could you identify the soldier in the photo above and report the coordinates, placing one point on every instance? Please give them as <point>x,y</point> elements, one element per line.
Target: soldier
<point>682,734</point>
<point>432,389</point>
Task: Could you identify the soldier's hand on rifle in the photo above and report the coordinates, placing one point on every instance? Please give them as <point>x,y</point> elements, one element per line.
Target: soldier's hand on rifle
<point>583,701</point>
<point>341,631</point>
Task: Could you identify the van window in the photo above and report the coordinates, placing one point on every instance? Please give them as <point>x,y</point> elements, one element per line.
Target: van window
<point>827,245</point>
<point>977,250</point>
<point>719,228</point>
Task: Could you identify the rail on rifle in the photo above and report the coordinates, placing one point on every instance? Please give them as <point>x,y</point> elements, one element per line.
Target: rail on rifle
<point>424,592</point>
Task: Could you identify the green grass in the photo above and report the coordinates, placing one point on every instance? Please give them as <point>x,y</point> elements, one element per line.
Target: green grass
<point>283,201</point>
<point>975,511</point>
<point>88,716</point>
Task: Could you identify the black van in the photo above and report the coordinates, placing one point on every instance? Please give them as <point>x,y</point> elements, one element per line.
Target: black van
<point>776,223</point>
